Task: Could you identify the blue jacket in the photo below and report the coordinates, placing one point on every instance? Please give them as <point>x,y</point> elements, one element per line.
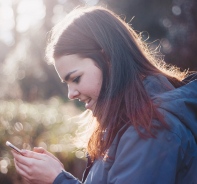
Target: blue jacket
<point>171,158</point>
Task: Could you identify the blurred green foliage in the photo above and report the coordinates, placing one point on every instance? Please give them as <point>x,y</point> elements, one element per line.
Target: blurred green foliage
<point>45,123</point>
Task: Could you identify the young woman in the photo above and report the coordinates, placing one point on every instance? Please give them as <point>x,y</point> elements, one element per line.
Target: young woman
<point>146,124</point>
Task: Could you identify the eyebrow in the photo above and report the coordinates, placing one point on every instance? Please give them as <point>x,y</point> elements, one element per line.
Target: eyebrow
<point>67,77</point>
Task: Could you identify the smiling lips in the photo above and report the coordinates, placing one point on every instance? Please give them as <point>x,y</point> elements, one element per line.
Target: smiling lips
<point>87,103</point>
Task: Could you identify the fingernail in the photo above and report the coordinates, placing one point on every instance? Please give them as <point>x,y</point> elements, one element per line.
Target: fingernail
<point>24,151</point>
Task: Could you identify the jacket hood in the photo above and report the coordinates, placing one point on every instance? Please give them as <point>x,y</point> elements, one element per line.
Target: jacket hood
<point>181,102</point>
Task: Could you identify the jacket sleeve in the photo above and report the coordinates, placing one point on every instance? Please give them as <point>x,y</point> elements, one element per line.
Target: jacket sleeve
<point>66,178</point>
<point>145,161</point>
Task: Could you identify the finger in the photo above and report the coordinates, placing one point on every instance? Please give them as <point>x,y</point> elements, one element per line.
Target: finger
<point>32,154</point>
<point>27,181</point>
<point>42,150</point>
<point>16,155</point>
<point>17,169</point>
<point>25,160</point>
<point>27,172</point>
<point>21,169</point>
<point>28,161</point>
<point>39,149</point>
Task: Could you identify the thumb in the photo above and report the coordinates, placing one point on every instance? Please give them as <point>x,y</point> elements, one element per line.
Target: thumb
<point>43,151</point>
<point>39,150</point>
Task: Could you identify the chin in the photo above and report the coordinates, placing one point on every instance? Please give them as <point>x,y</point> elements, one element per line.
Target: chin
<point>93,112</point>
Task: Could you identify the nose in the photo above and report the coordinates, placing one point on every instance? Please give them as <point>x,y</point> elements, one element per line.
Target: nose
<point>73,93</point>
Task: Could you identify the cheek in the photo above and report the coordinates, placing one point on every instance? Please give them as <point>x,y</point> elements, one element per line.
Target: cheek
<point>92,89</point>
<point>93,86</point>
<point>98,87</point>
<point>100,82</point>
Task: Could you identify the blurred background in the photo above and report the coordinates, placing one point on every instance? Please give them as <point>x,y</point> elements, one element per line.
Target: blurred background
<point>34,109</point>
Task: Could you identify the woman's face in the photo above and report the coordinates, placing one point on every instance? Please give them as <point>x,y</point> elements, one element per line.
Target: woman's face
<point>83,77</point>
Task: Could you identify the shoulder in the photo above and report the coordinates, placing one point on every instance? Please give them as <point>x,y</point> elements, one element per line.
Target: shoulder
<point>179,108</point>
<point>172,144</point>
<point>164,138</point>
<point>157,84</point>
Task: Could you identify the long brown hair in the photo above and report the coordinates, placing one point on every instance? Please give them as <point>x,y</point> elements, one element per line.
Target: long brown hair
<point>124,60</point>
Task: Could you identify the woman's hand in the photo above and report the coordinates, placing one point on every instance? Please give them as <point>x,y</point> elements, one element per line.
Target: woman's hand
<point>42,150</point>
<point>40,167</point>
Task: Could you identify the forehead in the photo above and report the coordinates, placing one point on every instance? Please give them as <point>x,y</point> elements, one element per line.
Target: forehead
<point>67,64</point>
<point>67,61</point>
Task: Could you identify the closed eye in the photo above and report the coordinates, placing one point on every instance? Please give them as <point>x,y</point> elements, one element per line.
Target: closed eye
<point>77,79</point>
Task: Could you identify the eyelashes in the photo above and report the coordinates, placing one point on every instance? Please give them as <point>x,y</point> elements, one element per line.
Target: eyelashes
<point>77,79</point>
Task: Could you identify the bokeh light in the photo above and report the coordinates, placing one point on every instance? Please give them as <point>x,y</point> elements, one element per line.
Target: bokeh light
<point>29,13</point>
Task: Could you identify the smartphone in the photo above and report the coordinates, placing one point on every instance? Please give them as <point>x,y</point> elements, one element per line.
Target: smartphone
<point>14,147</point>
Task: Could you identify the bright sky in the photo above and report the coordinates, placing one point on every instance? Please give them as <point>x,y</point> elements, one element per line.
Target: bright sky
<point>91,2</point>
<point>29,13</point>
